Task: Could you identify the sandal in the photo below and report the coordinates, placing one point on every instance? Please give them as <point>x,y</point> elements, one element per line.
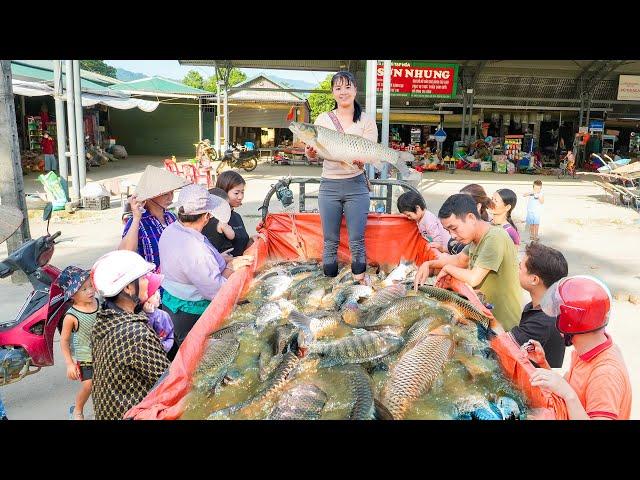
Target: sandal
<point>73,415</point>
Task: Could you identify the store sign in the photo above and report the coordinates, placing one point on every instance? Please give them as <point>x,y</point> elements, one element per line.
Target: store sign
<point>440,135</point>
<point>596,125</point>
<point>629,87</point>
<point>419,79</point>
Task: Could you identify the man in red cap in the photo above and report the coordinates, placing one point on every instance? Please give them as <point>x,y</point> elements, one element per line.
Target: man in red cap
<point>597,385</point>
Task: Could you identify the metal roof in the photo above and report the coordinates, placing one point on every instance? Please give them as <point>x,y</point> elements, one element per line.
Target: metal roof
<point>159,86</point>
<point>48,65</point>
<point>508,82</point>
<point>42,74</point>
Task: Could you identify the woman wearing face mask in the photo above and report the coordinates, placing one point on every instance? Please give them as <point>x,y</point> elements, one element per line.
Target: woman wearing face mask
<point>504,201</point>
<point>343,189</point>
<point>154,194</point>
<point>128,357</point>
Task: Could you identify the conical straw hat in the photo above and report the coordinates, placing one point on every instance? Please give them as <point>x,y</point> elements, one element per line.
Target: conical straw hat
<point>157,181</point>
<point>10,220</point>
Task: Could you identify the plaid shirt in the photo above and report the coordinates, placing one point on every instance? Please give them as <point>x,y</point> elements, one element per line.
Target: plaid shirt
<point>149,235</point>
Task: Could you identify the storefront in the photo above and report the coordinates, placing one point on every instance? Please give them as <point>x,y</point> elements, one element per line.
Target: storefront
<point>263,117</point>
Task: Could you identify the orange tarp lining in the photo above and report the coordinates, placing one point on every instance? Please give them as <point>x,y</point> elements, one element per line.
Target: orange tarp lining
<point>388,239</point>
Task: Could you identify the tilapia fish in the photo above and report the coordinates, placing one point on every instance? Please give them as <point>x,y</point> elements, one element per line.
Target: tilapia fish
<point>345,148</point>
<point>313,326</point>
<point>218,356</point>
<point>416,370</point>
<point>272,312</point>
<point>464,307</point>
<point>349,294</point>
<point>401,273</point>
<point>359,348</point>
<point>355,311</point>
<point>302,402</point>
<point>275,287</point>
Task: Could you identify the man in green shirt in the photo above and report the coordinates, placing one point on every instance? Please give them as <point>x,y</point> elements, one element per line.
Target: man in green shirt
<point>488,263</point>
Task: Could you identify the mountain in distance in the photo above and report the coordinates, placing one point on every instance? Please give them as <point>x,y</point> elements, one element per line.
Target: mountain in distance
<point>294,83</point>
<point>127,76</point>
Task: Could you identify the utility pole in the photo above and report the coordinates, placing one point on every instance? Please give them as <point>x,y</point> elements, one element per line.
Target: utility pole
<point>11,184</point>
<point>61,131</point>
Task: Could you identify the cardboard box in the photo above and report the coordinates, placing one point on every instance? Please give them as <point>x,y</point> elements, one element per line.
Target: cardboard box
<point>486,166</point>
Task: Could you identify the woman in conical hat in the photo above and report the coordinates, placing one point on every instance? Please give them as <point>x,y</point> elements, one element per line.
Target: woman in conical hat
<point>150,216</point>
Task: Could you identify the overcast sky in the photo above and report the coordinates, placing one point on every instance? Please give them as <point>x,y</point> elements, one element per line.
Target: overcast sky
<point>172,69</point>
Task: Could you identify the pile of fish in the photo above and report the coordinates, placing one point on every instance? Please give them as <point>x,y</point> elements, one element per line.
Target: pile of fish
<point>304,346</point>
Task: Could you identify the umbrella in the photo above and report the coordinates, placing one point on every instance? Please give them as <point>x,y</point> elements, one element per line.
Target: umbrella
<point>10,220</point>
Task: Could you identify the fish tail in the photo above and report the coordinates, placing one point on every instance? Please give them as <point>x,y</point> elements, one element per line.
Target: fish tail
<point>401,163</point>
<point>381,412</point>
<point>302,322</point>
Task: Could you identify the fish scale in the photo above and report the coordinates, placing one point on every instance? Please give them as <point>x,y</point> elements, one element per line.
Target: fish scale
<point>346,148</point>
<point>356,348</point>
<point>414,373</point>
<point>301,402</point>
<point>465,308</point>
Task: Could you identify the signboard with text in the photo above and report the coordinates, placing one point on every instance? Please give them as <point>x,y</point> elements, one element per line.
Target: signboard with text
<point>629,87</point>
<point>420,79</point>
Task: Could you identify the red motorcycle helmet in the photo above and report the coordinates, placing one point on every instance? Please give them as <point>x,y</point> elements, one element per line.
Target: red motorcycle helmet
<point>581,304</point>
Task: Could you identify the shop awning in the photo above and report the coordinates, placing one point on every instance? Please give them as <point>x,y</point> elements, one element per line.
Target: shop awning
<point>90,99</point>
<point>121,101</point>
<point>30,89</point>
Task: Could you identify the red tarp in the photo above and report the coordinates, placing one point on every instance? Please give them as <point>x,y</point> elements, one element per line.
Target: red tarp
<point>388,239</point>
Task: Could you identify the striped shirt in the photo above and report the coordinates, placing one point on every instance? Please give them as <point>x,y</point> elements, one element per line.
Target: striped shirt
<point>149,235</point>
<point>81,337</point>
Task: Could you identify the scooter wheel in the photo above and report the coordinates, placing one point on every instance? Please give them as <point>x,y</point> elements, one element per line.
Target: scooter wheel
<point>250,165</point>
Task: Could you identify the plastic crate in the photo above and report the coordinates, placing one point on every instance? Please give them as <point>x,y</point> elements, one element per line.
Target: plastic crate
<point>96,203</point>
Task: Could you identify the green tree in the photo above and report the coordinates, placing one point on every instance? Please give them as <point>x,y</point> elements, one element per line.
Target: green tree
<point>321,102</point>
<point>98,66</point>
<point>193,79</point>
<point>235,77</point>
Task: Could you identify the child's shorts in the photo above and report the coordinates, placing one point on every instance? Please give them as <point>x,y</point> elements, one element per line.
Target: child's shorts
<point>533,218</point>
<point>86,370</point>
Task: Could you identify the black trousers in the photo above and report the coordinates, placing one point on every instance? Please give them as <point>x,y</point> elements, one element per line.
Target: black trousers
<point>182,324</point>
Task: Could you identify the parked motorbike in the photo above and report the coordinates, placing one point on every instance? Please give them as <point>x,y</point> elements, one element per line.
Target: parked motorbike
<point>235,157</point>
<point>26,340</point>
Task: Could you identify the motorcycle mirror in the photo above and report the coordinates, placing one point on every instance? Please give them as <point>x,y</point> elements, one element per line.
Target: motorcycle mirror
<point>46,214</point>
<point>48,210</point>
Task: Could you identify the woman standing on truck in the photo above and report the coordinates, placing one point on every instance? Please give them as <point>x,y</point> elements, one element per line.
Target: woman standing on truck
<point>343,189</point>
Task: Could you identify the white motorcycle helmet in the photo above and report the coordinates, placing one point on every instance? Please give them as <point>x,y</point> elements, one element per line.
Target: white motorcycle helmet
<point>115,270</point>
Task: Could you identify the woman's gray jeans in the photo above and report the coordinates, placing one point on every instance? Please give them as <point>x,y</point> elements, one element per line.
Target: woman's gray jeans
<point>351,197</point>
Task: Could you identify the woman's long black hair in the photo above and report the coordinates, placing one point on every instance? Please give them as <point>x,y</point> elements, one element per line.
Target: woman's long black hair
<point>349,79</point>
<point>509,197</point>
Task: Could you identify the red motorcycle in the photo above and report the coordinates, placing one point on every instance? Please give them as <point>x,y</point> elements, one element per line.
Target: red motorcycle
<point>26,341</point>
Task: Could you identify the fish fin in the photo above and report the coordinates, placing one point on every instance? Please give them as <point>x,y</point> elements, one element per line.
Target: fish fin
<point>380,412</point>
<point>303,322</point>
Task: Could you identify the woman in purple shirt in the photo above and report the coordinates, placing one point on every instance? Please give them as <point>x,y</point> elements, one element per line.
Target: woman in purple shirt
<point>504,201</point>
<point>193,269</point>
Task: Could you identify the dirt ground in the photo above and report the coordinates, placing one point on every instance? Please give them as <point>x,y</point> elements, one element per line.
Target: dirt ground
<point>597,238</point>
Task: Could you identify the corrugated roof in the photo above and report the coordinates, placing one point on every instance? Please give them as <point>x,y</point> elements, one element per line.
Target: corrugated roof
<point>159,85</point>
<point>48,65</point>
<point>27,72</point>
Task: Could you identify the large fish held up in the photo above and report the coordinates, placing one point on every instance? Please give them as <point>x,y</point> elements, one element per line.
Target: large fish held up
<point>345,148</point>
